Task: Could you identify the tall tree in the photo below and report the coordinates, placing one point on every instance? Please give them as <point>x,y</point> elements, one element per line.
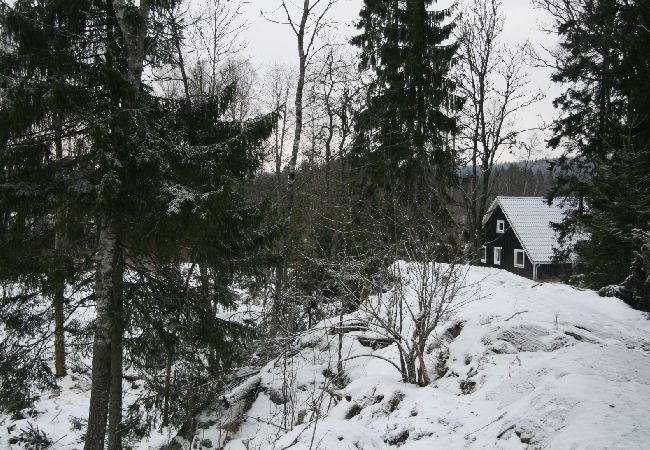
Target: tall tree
<point>494,84</point>
<point>141,172</point>
<point>603,130</point>
<point>41,115</point>
<point>306,25</point>
<point>311,21</point>
<point>402,134</point>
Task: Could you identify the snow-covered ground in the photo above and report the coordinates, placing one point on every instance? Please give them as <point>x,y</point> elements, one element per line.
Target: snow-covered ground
<point>539,365</point>
<point>524,365</point>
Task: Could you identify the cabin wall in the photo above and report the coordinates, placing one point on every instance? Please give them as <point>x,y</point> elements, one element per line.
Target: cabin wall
<point>508,242</point>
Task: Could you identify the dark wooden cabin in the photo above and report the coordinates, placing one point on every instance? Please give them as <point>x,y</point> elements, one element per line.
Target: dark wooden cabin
<point>519,238</point>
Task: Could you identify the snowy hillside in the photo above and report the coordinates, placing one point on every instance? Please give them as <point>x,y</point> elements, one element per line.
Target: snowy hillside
<point>527,364</point>
<point>520,365</point>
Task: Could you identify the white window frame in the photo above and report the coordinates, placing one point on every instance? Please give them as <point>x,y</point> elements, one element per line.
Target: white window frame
<point>497,256</point>
<point>523,259</point>
<point>501,226</point>
<point>483,254</point>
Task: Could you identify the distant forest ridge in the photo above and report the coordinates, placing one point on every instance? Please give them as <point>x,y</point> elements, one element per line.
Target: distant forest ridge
<point>531,178</point>
<point>535,165</point>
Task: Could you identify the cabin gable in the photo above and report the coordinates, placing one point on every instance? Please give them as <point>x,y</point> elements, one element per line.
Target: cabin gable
<point>507,241</point>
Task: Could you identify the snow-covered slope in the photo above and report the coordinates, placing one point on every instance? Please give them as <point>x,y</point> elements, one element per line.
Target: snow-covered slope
<point>539,365</point>
<point>523,365</point>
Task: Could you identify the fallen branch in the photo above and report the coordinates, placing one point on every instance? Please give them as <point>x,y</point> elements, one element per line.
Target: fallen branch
<point>515,314</point>
<point>485,426</point>
<point>241,391</point>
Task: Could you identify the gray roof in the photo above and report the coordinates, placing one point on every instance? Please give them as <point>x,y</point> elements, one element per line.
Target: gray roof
<point>530,219</point>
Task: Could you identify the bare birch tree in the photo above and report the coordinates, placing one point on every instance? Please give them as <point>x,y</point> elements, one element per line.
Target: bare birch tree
<point>307,23</point>
<point>280,79</point>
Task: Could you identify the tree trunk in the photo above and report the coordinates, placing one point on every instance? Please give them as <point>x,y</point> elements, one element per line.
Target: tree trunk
<point>328,144</point>
<point>205,281</point>
<point>109,260</point>
<point>339,360</point>
<point>299,118</point>
<point>58,301</point>
<point>101,365</point>
<point>410,367</point>
<point>475,220</point>
<point>168,382</point>
<point>117,318</point>
<point>278,303</point>
<point>59,324</point>
<point>58,279</point>
<point>302,67</point>
<point>279,145</point>
<point>424,379</point>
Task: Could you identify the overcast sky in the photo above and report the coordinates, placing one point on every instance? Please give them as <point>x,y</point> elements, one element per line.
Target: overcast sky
<point>268,42</point>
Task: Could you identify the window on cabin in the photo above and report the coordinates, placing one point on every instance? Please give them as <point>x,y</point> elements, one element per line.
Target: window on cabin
<point>520,259</point>
<point>497,256</point>
<point>484,254</point>
<point>501,226</point>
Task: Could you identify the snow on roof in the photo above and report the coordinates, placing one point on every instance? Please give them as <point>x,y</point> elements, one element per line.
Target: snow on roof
<point>530,219</point>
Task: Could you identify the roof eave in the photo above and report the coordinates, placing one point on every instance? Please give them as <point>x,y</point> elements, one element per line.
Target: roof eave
<point>490,210</point>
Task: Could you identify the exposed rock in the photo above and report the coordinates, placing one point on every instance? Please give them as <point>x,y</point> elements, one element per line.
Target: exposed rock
<point>525,338</point>
<point>503,348</point>
<point>454,331</point>
<point>467,386</point>
<point>524,436</point>
<point>397,438</point>
<point>580,338</point>
<point>353,411</point>
<point>559,342</point>
<point>395,401</point>
<point>441,368</point>
<point>375,342</point>
<point>301,417</point>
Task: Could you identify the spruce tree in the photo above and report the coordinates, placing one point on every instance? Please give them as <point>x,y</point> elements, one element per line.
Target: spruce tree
<point>402,133</point>
<point>140,186</point>
<point>41,248</point>
<point>604,132</point>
